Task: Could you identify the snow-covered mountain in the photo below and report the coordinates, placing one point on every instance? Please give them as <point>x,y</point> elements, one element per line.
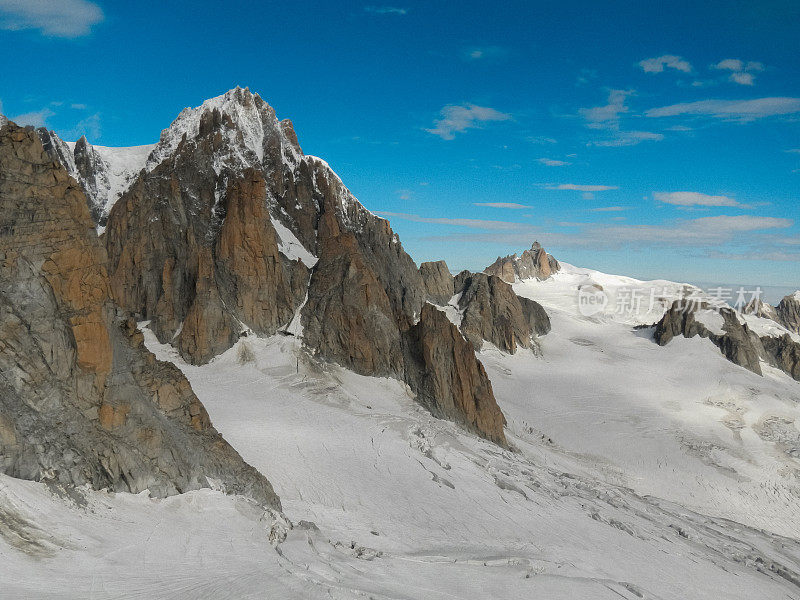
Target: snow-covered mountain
<point>536,430</point>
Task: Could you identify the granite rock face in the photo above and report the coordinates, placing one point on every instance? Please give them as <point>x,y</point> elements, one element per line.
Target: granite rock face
<point>738,343</point>
<point>438,281</point>
<point>82,401</point>
<point>788,312</point>
<point>759,308</point>
<point>533,263</point>
<point>231,228</point>
<point>491,311</point>
<point>441,368</point>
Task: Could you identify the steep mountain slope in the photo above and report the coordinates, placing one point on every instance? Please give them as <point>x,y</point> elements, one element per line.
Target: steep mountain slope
<point>230,229</point>
<point>103,173</point>
<point>83,402</point>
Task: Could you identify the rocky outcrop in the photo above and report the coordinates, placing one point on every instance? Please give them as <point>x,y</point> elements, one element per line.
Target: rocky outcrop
<point>103,173</point>
<point>438,281</point>
<point>784,353</point>
<point>788,312</point>
<point>491,311</point>
<point>203,245</point>
<point>348,317</point>
<point>442,370</point>
<point>737,342</point>
<point>81,400</point>
<point>533,263</point>
<point>759,308</point>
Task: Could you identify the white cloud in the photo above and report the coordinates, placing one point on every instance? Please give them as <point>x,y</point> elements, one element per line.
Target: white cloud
<point>460,118</point>
<point>37,118</point>
<point>552,163</point>
<point>404,194</point>
<point>658,64</point>
<point>741,71</point>
<point>511,205</point>
<point>582,188</point>
<point>78,106</point>
<point>739,110</point>
<point>742,78</point>
<point>471,223</point>
<point>386,10</point>
<point>730,64</point>
<point>610,209</point>
<point>607,116</point>
<point>55,18</point>
<point>696,199</point>
<point>628,138</point>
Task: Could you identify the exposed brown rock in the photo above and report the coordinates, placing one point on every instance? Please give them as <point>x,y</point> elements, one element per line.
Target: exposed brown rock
<point>533,263</point>
<point>739,344</point>
<point>493,312</point>
<point>788,312</point>
<point>81,400</point>
<point>348,316</point>
<point>442,370</point>
<point>438,281</point>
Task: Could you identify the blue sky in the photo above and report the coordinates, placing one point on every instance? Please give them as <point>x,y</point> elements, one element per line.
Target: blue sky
<point>655,142</point>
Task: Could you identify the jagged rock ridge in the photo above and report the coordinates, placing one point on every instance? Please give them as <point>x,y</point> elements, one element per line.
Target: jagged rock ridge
<point>735,339</point>
<point>533,263</point>
<point>81,400</point>
<point>103,173</point>
<point>230,228</point>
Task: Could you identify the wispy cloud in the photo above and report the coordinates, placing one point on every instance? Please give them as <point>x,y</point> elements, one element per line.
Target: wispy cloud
<point>696,199</point>
<point>581,188</point>
<point>628,138</point>
<point>53,18</point>
<point>703,234</point>
<point>36,118</point>
<point>476,53</point>
<point>457,118</point>
<point>605,116</point>
<point>667,61</point>
<point>511,205</point>
<point>471,223</point>
<point>734,110</point>
<point>610,209</point>
<point>385,10</point>
<point>550,162</point>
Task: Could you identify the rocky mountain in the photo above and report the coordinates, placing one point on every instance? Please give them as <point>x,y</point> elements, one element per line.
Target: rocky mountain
<point>734,337</point>
<point>759,308</point>
<point>533,263</point>
<point>103,173</point>
<point>788,312</point>
<point>230,229</point>
<point>83,402</point>
<point>491,311</point>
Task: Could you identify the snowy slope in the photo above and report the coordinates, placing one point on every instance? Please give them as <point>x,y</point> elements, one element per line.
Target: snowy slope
<point>407,506</point>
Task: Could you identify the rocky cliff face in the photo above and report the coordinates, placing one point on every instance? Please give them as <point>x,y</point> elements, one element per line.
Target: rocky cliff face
<point>533,263</point>
<point>736,340</point>
<point>103,173</point>
<point>788,312</point>
<point>491,311</point>
<point>438,281</point>
<point>81,400</point>
<point>442,369</point>
<point>761,309</point>
<point>230,227</point>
